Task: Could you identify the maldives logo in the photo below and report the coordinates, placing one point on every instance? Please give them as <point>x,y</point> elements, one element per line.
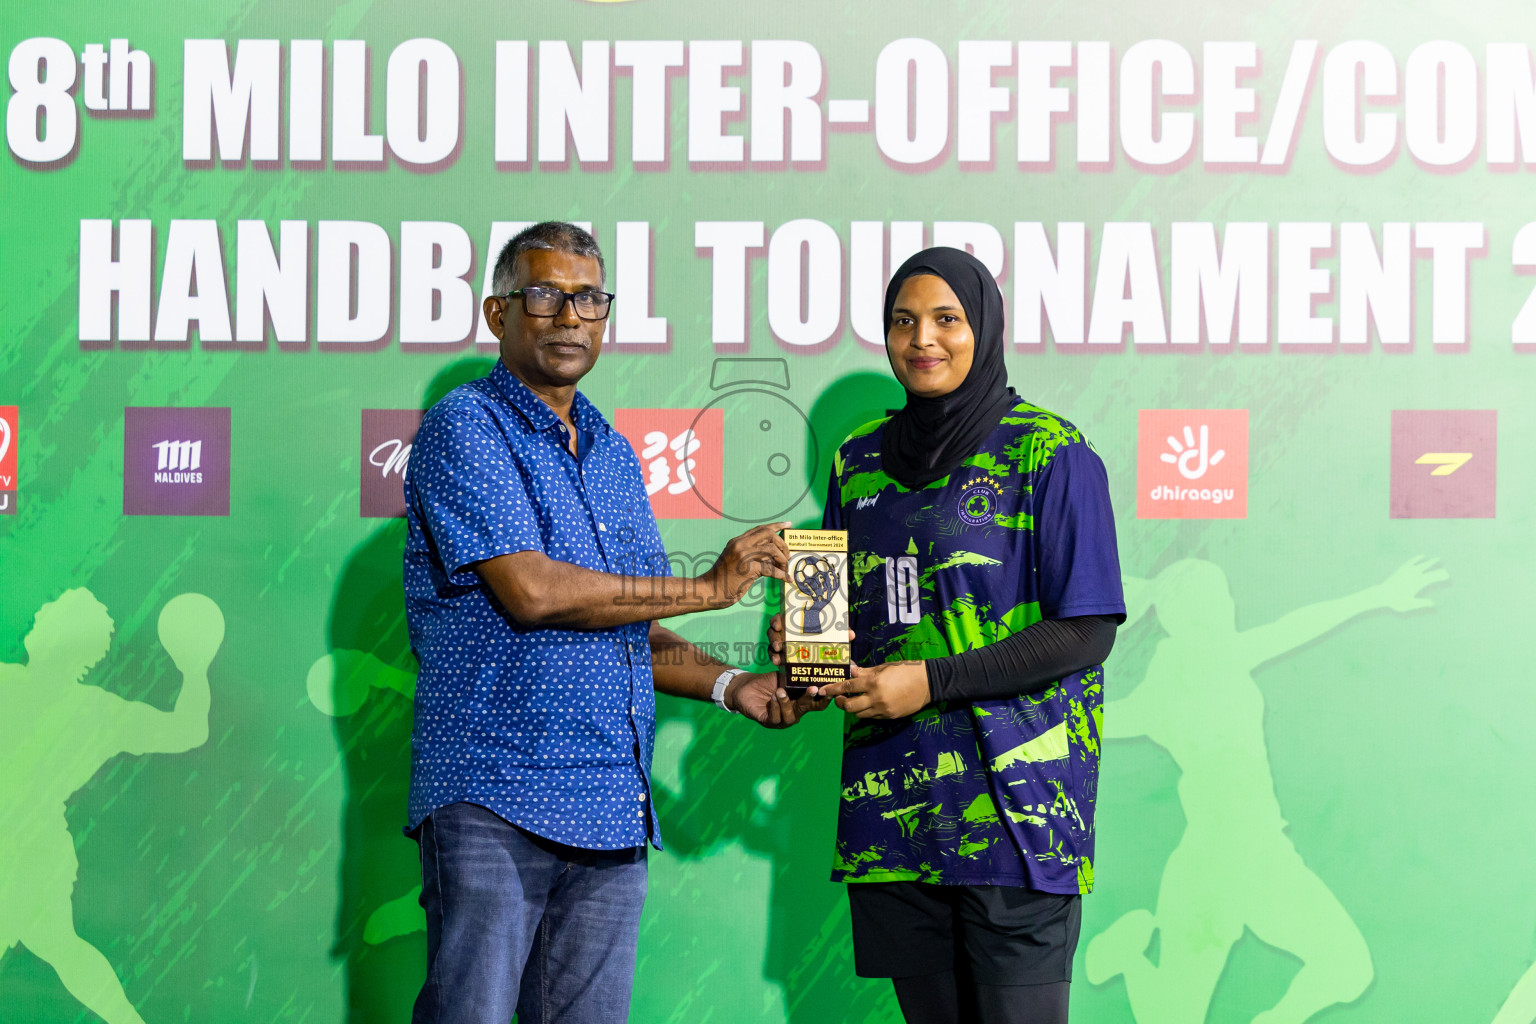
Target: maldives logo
<point>10,419</point>
<point>978,502</point>
<point>175,461</point>
<point>179,462</point>
<point>681,454</point>
<point>1192,464</point>
<point>1444,463</point>
<point>388,435</point>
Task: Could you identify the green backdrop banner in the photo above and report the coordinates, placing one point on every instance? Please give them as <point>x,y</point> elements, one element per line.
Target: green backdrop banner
<point>1273,259</point>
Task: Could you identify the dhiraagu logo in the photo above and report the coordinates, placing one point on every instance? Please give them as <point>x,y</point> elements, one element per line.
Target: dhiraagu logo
<point>1193,457</point>
<point>1192,464</point>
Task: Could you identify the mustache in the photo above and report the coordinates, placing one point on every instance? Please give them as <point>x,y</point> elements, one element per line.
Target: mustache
<point>565,336</point>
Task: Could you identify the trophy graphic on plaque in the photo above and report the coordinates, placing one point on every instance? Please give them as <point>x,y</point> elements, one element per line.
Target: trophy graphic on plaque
<point>816,609</point>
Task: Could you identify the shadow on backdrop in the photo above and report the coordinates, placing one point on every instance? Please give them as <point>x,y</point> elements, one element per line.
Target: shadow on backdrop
<point>365,683</point>
<point>776,792</point>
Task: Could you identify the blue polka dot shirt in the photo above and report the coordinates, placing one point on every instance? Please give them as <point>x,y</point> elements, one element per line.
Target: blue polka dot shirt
<point>552,729</point>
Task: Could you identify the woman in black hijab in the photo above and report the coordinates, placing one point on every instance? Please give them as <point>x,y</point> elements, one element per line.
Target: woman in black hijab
<point>935,432</point>
<point>984,596</point>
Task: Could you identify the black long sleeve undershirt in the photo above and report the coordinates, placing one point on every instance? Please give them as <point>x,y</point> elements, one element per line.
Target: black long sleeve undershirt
<point>1024,662</point>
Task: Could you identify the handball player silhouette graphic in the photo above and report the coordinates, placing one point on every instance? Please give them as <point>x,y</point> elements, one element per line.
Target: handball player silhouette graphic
<point>60,731</point>
<point>1200,703</point>
<point>815,576</point>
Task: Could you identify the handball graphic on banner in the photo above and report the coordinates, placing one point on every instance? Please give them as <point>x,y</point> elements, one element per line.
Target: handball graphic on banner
<point>9,422</point>
<point>1192,464</point>
<point>816,609</point>
<point>175,461</point>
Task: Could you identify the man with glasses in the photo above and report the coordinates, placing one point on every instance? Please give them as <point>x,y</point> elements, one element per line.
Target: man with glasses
<point>534,576</point>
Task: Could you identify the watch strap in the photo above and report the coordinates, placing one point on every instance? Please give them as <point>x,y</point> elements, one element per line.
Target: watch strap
<point>724,679</point>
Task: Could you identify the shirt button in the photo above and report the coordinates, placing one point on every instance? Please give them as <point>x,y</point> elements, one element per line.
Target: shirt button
<point>602,526</point>
<point>642,797</point>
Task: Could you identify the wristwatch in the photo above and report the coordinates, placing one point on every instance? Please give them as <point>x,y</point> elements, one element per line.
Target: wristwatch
<point>721,683</point>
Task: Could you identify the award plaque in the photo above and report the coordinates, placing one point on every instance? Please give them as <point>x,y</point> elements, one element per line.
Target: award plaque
<point>816,609</point>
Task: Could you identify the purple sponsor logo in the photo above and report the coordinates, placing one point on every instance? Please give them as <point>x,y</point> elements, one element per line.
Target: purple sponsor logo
<point>175,461</point>
<point>387,438</point>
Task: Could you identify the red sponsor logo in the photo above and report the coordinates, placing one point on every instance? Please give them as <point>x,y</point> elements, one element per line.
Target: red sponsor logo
<point>681,454</point>
<point>10,420</point>
<point>1444,463</point>
<point>1192,464</point>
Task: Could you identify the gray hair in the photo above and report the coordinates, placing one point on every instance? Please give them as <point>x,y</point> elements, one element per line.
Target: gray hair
<point>549,236</point>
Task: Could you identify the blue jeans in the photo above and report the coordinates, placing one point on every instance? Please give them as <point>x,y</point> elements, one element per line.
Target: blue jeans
<point>516,922</point>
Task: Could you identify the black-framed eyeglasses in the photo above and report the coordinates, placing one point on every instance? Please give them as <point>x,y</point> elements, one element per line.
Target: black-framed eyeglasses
<point>541,301</point>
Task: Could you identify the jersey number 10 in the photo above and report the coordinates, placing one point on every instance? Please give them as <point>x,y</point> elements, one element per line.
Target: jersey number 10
<point>901,589</point>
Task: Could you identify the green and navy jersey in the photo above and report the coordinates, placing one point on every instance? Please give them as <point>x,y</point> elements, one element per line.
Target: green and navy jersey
<point>997,792</point>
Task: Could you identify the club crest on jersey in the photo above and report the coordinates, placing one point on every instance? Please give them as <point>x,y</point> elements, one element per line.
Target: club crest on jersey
<point>978,502</point>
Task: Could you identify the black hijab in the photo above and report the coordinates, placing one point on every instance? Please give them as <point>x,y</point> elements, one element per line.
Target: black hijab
<point>930,437</point>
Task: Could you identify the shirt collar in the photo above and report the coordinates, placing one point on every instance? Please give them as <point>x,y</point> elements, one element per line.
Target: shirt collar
<point>540,416</point>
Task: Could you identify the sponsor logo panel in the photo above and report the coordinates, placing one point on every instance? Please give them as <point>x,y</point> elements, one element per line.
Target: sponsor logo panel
<point>1444,463</point>
<point>387,437</point>
<point>10,425</point>
<point>1192,464</point>
<point>175,461</point>
<point>681,454</point>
